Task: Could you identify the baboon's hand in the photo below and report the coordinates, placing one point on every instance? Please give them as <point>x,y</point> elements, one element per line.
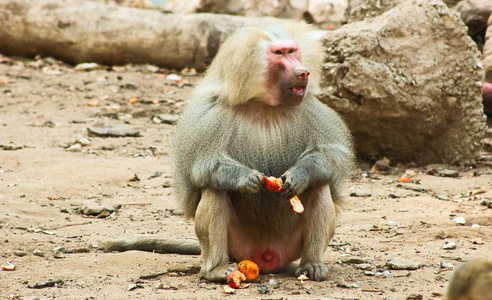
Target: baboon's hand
<point>295,181</point>
<point>252,183</point>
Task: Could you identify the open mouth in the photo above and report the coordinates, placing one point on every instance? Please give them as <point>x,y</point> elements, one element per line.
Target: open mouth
<point>298,90</point>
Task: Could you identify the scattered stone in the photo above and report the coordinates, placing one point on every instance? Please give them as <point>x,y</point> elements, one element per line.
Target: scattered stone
<point>357,260</point>
<point>449,173</point>
<point>363,266</point>
<point>75,148</point>
<point>398,263</point>
<point>165,119</point>
<point>274,283</point>
<point>83,141</point>
<point>58,254</point>
<point>415,297</point>
<point>263,289</point>
<point>486,202</point>
<point>359,192</point>
<point>20,253</point>
<point>51,283</point>
<point>460,220</point>
<point>38,252</point>
<point>474,226</point>
<point>166,184</point>
<point>10,147</point>
<point>449,246</point>
<point>135,178</point>
<point>174,77</point>
<point>382,274</point>
<point>381,165</point>
<point>344,284</point>
<point>95,209</point>
<point>156,175</point>
<point>477,241</point>
<point>445,265</point>
<point>89,67</point>
<point>442,197</point>
<point>133,286</point>
<point>109,130</point>
<point>432,171</point>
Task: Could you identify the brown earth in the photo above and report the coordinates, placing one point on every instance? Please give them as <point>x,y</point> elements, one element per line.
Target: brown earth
<point>44,187</point>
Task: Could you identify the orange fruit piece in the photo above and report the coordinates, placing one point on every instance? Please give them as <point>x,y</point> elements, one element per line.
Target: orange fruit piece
<point>235,278</point>
<point>296,205</point>
<point>404,179</point>
<point>249,269</point>
<point>273,184</point>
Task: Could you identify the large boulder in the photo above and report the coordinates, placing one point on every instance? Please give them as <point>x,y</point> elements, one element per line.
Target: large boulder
<point>408,81</point>
<point>487,52</point>
<point>325,13</point>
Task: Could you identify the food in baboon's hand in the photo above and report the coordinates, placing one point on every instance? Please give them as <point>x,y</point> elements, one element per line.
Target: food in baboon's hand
<point>273,184</point>
<point>249,269</point>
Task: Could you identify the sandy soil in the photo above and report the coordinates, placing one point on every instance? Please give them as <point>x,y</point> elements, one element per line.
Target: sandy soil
<point>55,246</point>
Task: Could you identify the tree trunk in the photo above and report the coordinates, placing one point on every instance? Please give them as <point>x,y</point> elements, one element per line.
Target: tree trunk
<point>83,31</point>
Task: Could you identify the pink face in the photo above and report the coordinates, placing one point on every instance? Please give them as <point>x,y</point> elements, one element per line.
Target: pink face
<point>287,78</point>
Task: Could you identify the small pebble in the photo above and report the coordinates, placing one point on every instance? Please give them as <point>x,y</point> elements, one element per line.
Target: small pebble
<point>38,252</point>
<point>460,220</point>
<point>398,263</point>
<point>449,173</point>
<point>20,253</point>
<point>449,245</point>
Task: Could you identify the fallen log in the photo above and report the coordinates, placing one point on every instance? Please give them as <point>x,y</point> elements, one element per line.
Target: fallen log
<point>152,243</point>
<point>83,31</point>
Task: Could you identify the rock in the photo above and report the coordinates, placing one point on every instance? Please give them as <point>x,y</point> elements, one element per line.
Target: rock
<point>325,13</point>
<point>58,254</point>
<point>359,192</point>
<point>10,147</point>
<point>445,265</point>
<point>398,263</point>
<point>108,130</point>
<point>38,252</point>
<point>449,246</point>
<point>449,173</point>
<point>165,119</point>
<point>487,51</point>
<point>363,266</point>
<point>381,165</point>
<point>424,100</point>
<point>459,220</point>
<point>486,202</point>
<point>344,284</point>
<point>475,14</point>
<point>75,148</point>
<point>20,253</point>
<point>95,209</point>
<point>415,297</point>
<point>356,260</point>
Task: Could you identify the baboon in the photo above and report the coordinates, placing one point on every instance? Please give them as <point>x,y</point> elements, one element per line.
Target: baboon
<point>255,114</point>
<point>471,281</point>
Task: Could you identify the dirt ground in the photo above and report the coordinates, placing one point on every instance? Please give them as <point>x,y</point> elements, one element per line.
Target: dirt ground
<point>56,246</point>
